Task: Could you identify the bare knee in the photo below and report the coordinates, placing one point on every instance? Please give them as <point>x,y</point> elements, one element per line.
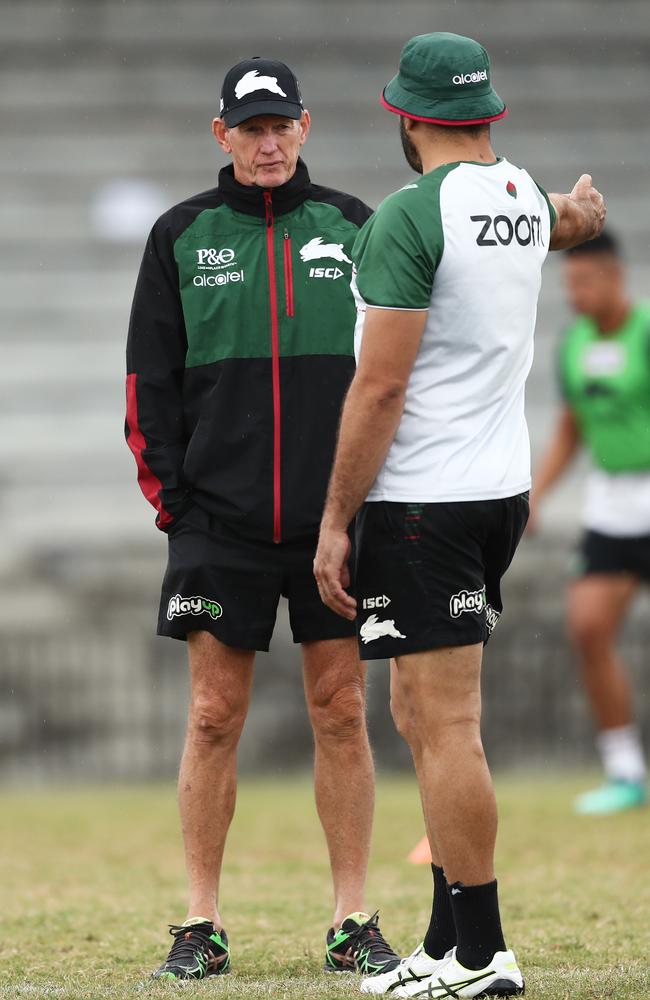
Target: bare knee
<point>451,728</point>
<point>216,720</point>
<point>338,713</point>
<point>402,714</point>
<point>590,634</point>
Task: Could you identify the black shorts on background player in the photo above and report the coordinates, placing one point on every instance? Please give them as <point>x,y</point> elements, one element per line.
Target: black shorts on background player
<point>429,575</point>
<point>221,582</point>
<point>611,554</point>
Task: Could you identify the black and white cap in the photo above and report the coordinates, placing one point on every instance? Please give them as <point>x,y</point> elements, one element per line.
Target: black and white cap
<point>259,87</point>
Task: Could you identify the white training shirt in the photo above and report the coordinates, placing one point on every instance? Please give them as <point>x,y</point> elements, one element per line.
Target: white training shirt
<point>465,242</point>
<point>617,504</point>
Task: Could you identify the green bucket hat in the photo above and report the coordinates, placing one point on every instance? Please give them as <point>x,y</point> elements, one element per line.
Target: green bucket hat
<point>444,79</point>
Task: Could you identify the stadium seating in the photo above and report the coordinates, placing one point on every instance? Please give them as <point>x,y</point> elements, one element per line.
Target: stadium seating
<point>101,92</point>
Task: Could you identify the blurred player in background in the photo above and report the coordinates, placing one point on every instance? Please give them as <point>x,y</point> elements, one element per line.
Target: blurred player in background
<point>604,366</point>
<point>240,352</point>
<point>433,437</point>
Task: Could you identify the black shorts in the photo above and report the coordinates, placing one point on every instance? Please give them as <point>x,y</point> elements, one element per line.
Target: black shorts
<point>221,582</point>
<point>428,575</point>
<point>609,554</point>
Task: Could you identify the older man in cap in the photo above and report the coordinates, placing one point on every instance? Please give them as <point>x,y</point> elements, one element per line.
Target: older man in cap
<point>433,448</point>
<point>240,352</point>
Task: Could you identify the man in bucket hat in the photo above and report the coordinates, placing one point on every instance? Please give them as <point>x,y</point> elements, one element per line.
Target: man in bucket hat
<point>433,438</point>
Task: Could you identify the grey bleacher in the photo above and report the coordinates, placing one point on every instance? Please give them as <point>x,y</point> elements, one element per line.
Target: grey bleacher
<point>105,90</point>
<point>101,90</point>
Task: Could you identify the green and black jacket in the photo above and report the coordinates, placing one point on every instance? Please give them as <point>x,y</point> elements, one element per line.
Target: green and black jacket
<point>240,352</point>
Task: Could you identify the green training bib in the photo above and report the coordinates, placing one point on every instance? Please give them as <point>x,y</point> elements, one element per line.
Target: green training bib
<point>606,382</point>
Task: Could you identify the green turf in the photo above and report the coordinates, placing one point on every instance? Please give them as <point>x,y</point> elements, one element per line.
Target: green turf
<point>89,879</point>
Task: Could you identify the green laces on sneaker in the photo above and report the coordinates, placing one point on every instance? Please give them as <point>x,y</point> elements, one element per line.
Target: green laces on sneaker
<point>359,945</point>
<point>198,952</point>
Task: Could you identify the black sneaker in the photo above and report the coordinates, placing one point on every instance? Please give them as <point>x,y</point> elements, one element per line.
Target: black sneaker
<point>198,952</point>
<point>359,945</point>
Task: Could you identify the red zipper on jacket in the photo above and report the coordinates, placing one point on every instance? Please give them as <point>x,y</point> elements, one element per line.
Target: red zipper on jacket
<point>275,367</point>
<point>288,273</point>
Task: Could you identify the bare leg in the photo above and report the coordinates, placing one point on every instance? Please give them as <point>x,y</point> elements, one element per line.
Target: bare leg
<point>343,768</point>
<point>441,934</point>
<point>596,608</point>
<point>442,690</point>
<point>221,680</point>
<point>403,718</point>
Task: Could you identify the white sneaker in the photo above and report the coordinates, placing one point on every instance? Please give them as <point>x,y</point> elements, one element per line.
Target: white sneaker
<point>414,969</point>
<point>501,978</point>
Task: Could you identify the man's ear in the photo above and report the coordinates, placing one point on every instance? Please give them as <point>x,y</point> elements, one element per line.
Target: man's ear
<point>305,125</point>
<point>220,131</point>
<point>409,124</point>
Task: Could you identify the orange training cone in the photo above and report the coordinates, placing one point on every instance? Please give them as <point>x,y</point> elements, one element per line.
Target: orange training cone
<point>421,853</point>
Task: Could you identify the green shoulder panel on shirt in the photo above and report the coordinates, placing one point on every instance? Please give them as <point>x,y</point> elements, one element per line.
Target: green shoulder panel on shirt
<point>551,208</point>
<point>398,250</point>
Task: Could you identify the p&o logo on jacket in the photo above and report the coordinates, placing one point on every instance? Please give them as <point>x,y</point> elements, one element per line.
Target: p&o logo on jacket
<point>179,606</point>
<point>317,250</point>
<point>210,259</point>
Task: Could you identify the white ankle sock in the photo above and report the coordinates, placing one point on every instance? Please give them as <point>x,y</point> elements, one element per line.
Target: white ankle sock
<point>621,752</point>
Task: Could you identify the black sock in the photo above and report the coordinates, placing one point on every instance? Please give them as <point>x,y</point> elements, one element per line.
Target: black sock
<point>441,935</point>
<point>478,924</point>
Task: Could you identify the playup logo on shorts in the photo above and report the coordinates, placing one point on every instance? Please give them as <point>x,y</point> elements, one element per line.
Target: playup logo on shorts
<point>373,629</point>
<point>474,601</point>
<point>491,618</point>
<point>179,606</point>
<point>467,600</point>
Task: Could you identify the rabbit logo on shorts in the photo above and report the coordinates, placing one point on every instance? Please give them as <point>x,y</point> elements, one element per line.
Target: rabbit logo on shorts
<point>179,606</point>
<point>372,629</point>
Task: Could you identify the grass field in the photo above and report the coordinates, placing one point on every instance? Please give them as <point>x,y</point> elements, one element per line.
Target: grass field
<point>89,879</point>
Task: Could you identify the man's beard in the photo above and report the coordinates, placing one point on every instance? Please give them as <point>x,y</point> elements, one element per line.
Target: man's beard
<point>410,152</point>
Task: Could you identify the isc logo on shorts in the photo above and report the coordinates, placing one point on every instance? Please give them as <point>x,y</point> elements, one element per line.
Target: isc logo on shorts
<point>376,602</point>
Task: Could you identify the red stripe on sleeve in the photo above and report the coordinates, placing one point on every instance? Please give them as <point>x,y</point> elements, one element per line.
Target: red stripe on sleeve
<point>149,482</point>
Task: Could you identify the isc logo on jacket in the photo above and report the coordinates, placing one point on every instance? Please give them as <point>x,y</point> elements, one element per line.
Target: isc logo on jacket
<point>325,272</point>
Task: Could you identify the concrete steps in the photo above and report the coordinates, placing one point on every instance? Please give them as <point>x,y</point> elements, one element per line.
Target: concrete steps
<point>330,23</point>
<point>104,90</point>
